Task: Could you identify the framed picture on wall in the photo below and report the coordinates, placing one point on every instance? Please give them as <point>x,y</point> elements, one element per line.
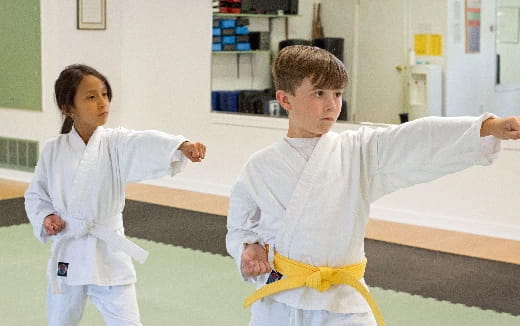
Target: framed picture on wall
<point>92,14</point>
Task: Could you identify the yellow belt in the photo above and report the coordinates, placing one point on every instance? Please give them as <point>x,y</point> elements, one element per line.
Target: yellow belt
<point>298,274</point>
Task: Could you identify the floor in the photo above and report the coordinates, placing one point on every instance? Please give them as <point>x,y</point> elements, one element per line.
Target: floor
<point>175,288</point>
<point>422,237</point>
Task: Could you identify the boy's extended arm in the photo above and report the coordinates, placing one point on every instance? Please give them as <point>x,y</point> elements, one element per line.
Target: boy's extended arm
<point>429,148</point>
<point>502,128</point>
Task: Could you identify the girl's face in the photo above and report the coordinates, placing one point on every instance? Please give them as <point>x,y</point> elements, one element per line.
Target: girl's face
<point>91,104</point>
<point>312,111</point>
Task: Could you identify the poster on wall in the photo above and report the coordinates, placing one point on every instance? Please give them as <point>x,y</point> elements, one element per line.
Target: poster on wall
<point>428,44</point>
<point>472,13</point>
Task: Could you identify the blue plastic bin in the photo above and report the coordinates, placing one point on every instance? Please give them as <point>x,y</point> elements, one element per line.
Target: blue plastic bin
<point>228,23</point>
<point>229,39</point>
<point>242,30</point>
<point>243,46</point>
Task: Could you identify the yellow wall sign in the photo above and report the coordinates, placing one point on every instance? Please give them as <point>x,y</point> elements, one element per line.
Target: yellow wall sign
<point>428,44</point>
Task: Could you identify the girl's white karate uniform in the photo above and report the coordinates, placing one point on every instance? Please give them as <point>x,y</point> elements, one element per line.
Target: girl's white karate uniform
<point>315,210</point>
<point>85,186</point>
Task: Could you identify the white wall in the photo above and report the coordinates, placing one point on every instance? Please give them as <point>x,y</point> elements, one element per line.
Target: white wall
<point>157,57</point>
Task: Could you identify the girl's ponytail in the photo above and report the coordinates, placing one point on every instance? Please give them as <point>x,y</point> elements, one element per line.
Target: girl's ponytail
<point>66,127</point>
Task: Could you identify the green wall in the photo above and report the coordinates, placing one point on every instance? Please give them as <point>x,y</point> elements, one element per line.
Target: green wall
<point>20,54</point>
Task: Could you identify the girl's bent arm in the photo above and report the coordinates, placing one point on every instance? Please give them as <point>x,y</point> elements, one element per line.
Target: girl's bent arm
<point>38,203</point>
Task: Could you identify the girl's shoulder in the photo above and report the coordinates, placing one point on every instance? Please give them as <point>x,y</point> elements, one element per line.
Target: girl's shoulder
<point>116,135</point>
<point>53,145</point>
<point>54,141</point>
<point>116,131</point>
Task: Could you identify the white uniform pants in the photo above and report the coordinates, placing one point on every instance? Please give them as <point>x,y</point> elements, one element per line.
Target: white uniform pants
<point>117,304</point>
<point>267,312</point>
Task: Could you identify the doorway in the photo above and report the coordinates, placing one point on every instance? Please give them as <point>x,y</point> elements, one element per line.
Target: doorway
<point>381,54</point>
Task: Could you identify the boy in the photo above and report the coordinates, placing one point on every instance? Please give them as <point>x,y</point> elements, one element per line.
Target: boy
<point>304,202</point>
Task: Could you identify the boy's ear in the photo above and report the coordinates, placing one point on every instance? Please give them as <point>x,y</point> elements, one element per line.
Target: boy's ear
<point>284,98</point>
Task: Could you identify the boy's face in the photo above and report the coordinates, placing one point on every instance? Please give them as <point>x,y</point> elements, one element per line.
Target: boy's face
<point>312,111</point>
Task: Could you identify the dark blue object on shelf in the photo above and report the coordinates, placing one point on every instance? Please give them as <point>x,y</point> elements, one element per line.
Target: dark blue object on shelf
<point>228,23</point>
<point>242,30</point>
<point>243,47</point>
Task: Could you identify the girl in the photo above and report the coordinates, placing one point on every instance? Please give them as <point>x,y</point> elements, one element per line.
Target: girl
<point>77,197</point>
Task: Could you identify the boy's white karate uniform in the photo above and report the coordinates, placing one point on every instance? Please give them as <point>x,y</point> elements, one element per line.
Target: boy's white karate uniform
<point>85,186</point>
<point>316,211</point>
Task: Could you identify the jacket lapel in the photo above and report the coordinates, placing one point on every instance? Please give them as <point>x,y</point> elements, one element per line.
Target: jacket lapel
<point>86,169</point>
<point>309,178</point>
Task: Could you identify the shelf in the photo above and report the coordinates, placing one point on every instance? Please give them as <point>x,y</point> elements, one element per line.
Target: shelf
<point>241,52</point>
<point>249,120</point>
<point>221,14</point>
<point>277,123</point>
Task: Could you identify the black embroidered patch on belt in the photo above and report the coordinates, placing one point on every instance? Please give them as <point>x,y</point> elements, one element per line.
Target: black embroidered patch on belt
<point>62,268</point>
<point>273,277</point>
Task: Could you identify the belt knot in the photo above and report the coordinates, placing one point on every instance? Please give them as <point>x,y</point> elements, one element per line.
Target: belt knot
<point>321,279</point>
<point>86,227</point>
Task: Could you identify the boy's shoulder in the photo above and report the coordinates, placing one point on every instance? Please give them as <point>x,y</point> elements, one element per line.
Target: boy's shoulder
<point>265,154</point>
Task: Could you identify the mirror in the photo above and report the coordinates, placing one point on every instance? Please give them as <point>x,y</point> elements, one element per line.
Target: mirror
<point>508,42</point>
<point>377,91</point>
<point>244,71</point>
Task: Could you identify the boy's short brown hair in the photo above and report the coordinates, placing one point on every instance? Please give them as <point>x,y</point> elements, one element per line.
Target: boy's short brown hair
<point>296,62</point>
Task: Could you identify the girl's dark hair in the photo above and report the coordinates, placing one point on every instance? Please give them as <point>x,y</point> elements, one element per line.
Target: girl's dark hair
<point>296,62</point>
<point>66,86</point>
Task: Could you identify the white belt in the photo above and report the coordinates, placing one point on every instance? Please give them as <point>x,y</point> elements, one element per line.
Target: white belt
<point>102,232</point>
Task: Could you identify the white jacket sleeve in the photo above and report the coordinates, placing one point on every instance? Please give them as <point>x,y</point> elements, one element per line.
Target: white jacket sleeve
<point>242,221</point>
<point>426,149</point>
<point>38,203</point>
<point>148,154</point>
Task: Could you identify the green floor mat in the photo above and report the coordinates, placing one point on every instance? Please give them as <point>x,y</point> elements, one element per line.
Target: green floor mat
<point>179,286</point>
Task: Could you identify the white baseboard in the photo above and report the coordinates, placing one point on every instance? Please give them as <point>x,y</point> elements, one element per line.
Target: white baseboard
<point>452,223</point>
<point>16,175</point>
<point>192,185</point>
